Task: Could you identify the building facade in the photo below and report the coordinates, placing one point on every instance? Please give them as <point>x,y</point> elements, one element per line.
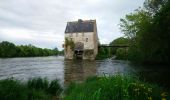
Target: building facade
<point>81,39</point>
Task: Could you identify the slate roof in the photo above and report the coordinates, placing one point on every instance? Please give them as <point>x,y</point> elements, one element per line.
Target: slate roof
<point>80,26</point>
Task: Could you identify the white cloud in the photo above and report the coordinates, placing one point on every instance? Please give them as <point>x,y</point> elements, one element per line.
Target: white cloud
<point>23,36</point>
<point>42,22</point>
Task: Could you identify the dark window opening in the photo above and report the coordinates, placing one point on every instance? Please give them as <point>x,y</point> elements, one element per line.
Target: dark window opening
<point>86,39</point>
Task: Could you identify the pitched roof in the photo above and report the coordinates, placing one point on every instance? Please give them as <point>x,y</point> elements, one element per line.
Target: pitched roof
<point>80,26</point>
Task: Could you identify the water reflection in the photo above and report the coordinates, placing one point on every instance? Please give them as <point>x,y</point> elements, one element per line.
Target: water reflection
<point>111,67</point>
<point>78,70</point>
<point>25,68</point>
<point>70,70</point>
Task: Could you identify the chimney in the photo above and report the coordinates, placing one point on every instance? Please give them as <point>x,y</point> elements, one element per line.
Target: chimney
<point>80,20</point>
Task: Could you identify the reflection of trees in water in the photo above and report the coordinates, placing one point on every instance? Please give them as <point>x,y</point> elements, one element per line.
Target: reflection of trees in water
<point>78,70</point>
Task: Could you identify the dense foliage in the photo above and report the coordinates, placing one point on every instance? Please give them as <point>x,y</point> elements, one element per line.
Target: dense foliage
<point>107,52</point>
<point>8,49</point>
<point>34,89</point>
<point>69,43</point>
<point>119,41</point>
<point>114,88</point>
<point>149,32</point>
<point>103,53</point>
<point>120,53</point>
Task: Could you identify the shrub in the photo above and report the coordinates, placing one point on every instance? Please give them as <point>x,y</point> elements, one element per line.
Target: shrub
<point>54,88</point>
<point>34,89</point>
<point>38,83</point>
<point>116,87</point>
<point>12,90</point>
<point>121,53</point>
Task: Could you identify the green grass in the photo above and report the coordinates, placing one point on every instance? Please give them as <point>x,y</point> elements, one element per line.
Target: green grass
<point>116,87</point>
<point>34,89</point>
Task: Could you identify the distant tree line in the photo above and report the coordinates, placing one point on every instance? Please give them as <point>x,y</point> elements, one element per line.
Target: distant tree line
<point>148,29</point>
<point>8,49</point>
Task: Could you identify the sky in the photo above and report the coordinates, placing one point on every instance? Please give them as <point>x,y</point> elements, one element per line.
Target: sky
<point>42,22</point>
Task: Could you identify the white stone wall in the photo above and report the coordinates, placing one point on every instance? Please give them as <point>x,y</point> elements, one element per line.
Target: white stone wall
<point>81,37</point>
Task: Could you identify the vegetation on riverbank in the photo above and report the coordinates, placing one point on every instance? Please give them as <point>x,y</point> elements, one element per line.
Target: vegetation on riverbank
<point>117,87</point>
<point>34,89</point>
<point>103,53</point>
<point>147,28</point>
<point>120,53</point>
<point>146,31</point>
<point>8,49</point>
<point>114,88</point>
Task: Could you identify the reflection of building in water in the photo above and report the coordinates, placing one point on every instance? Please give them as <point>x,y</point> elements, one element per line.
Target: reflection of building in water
<point>78,70</point>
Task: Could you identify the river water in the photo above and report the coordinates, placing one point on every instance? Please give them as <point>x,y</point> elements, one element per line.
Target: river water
<point>55,67</point>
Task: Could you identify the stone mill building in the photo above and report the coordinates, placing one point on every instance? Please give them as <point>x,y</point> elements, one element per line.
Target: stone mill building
<point>81,39</point>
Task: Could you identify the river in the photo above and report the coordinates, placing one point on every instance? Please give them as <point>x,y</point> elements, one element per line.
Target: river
<point>55,67</point>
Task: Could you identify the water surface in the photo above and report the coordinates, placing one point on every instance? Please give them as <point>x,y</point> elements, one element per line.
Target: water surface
<point>55,67</point>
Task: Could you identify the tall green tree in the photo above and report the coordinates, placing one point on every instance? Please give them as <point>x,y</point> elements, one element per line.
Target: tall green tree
<point>7,49</point>
<point>149,31</point>
<point>56,51</point>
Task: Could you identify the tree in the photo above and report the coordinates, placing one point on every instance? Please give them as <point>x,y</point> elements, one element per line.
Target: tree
<point>7,49</point>
<point>153,6</point>
<point>56,51</point>
<point>148,30</point>
<point>134,23</point>
<point>119,41</point>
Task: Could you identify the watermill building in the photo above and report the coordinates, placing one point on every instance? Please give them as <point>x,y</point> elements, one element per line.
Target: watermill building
<point>81,39</point>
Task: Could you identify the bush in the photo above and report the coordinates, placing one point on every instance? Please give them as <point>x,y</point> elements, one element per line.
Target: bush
<point>54,88</point>
<point>12,90</point>
<point>116,87</point>
<point>38,95</point>
<point>34,89</point>
<point>38,83</point>
<point>121,53</point>
<point>103,53</point>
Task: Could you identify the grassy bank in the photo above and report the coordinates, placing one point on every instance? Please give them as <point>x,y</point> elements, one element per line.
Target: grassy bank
<point>94,88</point>
<point>114,88</point>
<point>34,89</point>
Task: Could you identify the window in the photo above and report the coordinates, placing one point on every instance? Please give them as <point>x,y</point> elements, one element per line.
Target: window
<point>86,39</point>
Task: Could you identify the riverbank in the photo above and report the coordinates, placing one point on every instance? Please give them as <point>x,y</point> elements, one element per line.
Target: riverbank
<point>115,87</point>
<point>33,89</point>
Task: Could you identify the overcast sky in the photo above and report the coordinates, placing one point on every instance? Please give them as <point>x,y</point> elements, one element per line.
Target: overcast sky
<point>42,22</point>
